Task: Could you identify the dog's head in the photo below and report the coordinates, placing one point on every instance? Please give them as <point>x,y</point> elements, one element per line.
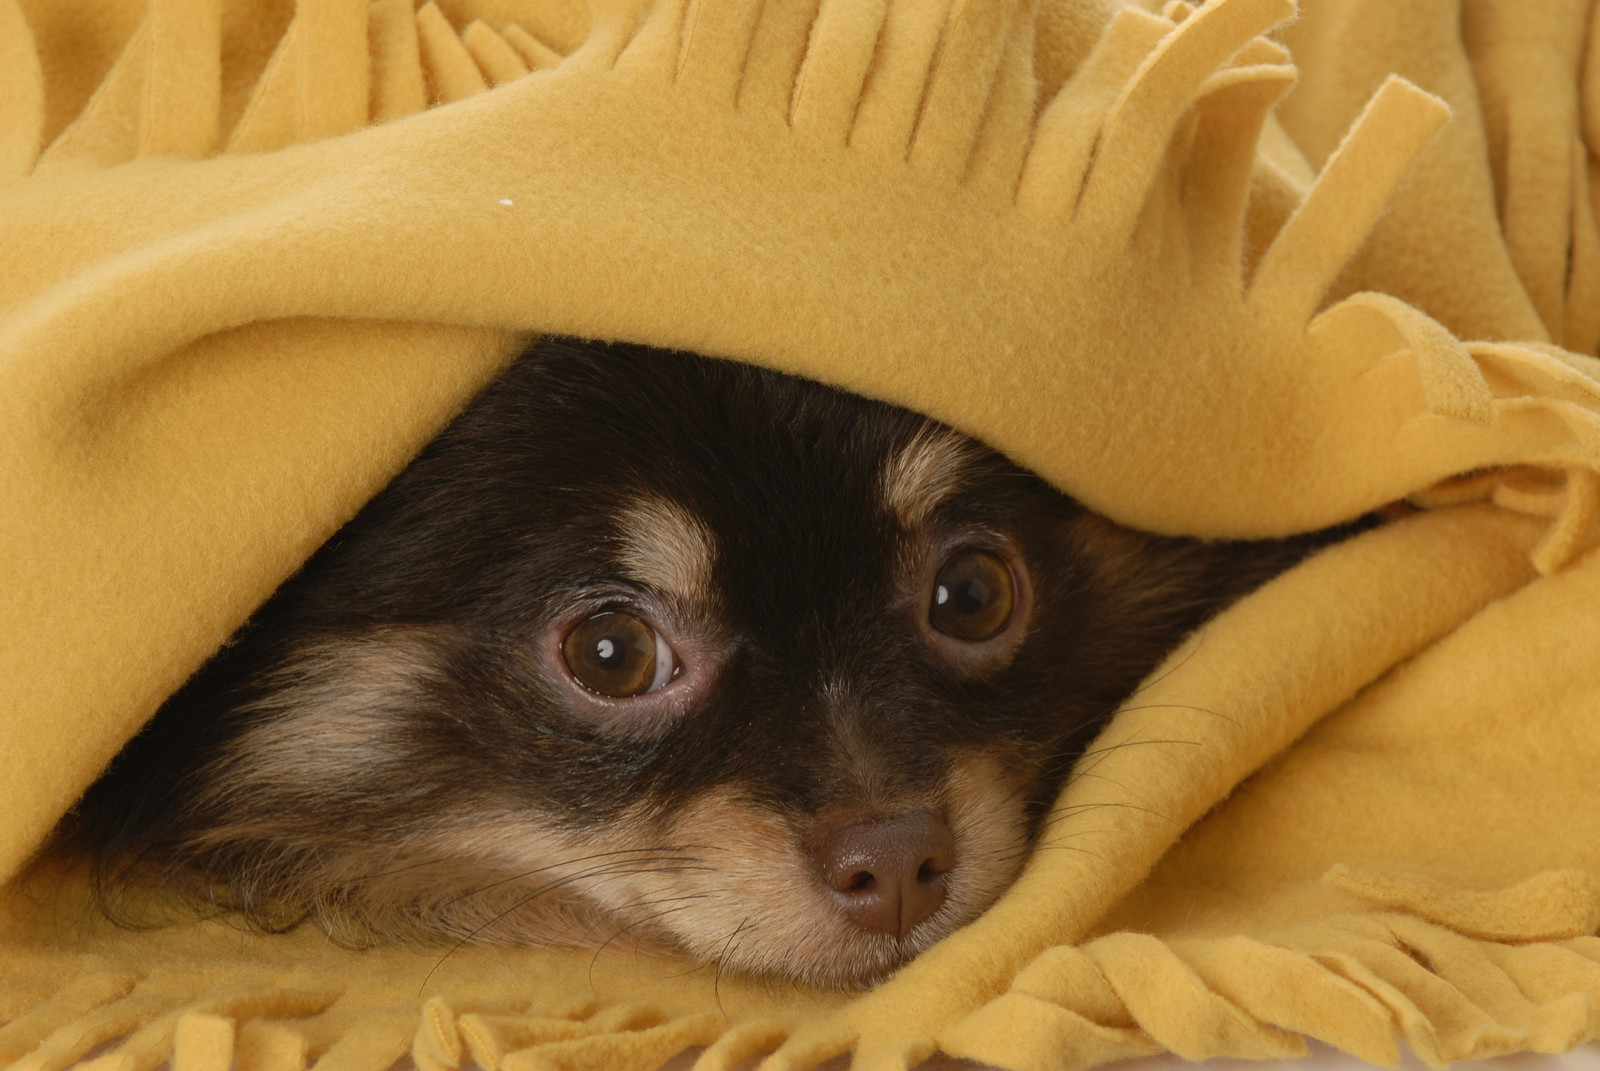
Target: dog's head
<point>657,648</point>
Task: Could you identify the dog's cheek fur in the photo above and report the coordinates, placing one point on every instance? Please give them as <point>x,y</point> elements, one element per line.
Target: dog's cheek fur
<point>328,722</point>
<point>313,789</point>
<point>333,769</point>
<point>371,785</point>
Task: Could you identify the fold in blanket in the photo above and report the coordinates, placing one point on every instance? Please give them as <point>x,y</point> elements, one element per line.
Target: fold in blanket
<point>254,257</point>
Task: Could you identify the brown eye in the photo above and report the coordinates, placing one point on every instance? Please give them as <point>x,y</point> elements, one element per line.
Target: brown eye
<point>617,655</point>
<point>973,597</point>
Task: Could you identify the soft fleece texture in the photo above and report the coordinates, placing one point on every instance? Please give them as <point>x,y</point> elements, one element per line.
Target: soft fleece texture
<point>252,257</point>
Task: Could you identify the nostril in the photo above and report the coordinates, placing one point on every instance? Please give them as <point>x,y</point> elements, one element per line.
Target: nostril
<point>888,874</point>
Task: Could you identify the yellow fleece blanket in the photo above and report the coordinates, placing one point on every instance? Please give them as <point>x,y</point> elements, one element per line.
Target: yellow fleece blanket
<point>1209,269</point>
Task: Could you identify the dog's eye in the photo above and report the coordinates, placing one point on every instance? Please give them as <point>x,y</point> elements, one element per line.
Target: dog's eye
<point>617,655</point>
<point>973,597</point>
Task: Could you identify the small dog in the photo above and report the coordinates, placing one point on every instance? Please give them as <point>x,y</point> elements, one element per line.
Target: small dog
<point>652,646</point>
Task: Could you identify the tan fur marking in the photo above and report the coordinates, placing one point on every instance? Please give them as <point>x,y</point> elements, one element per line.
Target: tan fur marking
<point>928,470</point>
<point>667,547</point>
<point>986,811</point>
<point>858,763</point>
<point>331,713</point>
<point>515,879</point>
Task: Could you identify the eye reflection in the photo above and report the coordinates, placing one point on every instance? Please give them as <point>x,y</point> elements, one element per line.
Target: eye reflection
<point>973,597</point>
<point>617,655</point>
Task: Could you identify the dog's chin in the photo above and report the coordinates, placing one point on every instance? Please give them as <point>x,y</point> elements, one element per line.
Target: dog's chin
<point>796,950</point>
<point>836,956</point>
<point>794,935</point>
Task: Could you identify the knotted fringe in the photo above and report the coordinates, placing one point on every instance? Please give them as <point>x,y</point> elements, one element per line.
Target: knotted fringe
<point>1454,974</point>
<point>1357,982</point>
<point>340,65</point>
<point>948,87</point>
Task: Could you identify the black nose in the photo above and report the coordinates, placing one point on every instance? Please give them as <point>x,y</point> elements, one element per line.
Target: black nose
<point>888,874</point>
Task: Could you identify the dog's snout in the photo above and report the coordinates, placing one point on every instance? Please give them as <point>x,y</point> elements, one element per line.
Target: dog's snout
<point>887,874</point>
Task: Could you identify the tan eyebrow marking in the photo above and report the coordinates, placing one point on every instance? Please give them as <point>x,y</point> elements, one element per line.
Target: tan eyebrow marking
<point>926,471</point>
<point>664,545</point>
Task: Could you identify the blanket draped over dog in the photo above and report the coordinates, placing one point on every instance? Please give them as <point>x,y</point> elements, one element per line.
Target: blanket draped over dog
<point>1216,269</point>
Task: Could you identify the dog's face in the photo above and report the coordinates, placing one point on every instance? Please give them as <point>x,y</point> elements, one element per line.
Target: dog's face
<point>660,649</point>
